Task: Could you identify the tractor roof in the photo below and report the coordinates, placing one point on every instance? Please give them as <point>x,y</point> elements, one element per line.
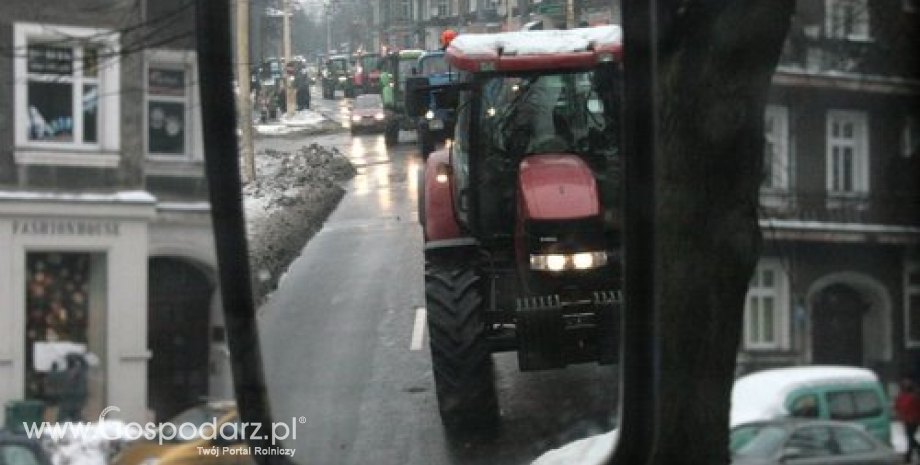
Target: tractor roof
<point>536,50</point>
<point>409,54</point>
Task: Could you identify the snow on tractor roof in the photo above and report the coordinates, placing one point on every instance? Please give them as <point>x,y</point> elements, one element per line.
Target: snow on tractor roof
<point>530,50</point>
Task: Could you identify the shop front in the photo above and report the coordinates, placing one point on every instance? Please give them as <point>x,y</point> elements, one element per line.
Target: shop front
<point>73,291</point>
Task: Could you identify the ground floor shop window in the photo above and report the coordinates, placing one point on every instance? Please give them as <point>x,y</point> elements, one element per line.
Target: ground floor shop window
<point>65,332</point>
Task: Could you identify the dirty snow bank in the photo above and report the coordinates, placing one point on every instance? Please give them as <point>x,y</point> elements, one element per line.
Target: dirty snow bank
<point>291,197</point>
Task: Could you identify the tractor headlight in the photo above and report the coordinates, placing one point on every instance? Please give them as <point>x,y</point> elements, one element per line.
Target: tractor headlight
<point>560,262</point>
<point>429,114</point>
<point>379,116</point>
<point>356,118</point>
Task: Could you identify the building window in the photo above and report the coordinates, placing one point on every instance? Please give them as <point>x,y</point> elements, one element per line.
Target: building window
<point>65,330</point>
<point>776,148</point>
<point>847,153</point>
<point>404,10</point>
<point>767,307</point>
<point>166,111</point>
<point>172,115</point>
<point>912,304</point>
<point>847,19</point>
<point>440,8</point>
<point>67,89</point>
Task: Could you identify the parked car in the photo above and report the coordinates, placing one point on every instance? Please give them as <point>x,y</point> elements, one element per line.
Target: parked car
<point>817,392</point>
<point>794,441</point>
<point>184,451</point>
<point>368,114</point>
<point>17,449</point>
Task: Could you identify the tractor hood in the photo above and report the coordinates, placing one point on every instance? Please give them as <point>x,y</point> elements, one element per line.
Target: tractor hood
<point>557,186</point>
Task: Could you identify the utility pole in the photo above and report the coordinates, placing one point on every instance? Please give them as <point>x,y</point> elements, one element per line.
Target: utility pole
<point>290,91</point>
<point>244,102</point>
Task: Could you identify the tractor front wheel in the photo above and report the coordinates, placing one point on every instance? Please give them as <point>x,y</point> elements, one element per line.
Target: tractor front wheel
<point>460,353</point>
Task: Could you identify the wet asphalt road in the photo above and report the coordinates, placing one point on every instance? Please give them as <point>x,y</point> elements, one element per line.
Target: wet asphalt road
<point>342,346</point>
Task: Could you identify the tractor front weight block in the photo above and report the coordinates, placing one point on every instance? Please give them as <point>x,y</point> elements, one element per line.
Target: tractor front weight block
<point>553,333</point>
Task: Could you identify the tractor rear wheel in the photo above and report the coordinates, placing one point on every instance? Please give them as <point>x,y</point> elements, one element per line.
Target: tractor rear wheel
<point>460,355</point>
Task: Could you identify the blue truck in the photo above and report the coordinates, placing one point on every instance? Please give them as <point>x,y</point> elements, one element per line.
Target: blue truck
<point>436,123</point>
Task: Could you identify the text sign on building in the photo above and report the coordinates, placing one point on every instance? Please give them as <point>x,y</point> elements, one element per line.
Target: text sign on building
<point>45,59</point>
<point>63,227</point>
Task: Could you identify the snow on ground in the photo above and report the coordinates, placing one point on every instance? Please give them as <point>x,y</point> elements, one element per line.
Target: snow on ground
<point>293,194</point>
<point>594,450</point>
<point>302,122</point>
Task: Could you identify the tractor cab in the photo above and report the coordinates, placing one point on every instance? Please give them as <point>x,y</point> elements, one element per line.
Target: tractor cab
<point>520,212</point>
<point>396,68</point>
<point>435,118</point>
<point>337,75</point>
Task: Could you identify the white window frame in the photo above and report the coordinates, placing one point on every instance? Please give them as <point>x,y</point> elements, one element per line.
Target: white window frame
<point>858,144</point>
<point>909,291</point>
<point>188,63</point>
<point>103,152</point>
<point>755,338</point>
<point>861,27</point>
<point>778,138</point>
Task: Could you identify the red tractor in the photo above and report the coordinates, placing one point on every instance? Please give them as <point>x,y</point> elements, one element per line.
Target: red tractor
<point>521,212</point>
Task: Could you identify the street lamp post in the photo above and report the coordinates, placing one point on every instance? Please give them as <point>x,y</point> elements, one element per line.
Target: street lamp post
<point>290,92</point>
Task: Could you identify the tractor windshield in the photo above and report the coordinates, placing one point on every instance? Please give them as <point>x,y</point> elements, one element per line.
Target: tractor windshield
<point>566,112</point>
<point>434,64</point>
<point>338,65</point>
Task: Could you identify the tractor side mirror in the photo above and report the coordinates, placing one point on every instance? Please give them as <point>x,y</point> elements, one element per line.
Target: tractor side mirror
<point>417,94</point>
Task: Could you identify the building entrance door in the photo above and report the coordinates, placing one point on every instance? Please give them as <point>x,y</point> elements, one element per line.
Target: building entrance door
<point>177,322</point>
<point>837,326</point>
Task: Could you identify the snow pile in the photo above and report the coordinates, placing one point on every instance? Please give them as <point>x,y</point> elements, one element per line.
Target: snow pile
<point>302,122</point>
<point>291,197</point>
<point>594,450</point>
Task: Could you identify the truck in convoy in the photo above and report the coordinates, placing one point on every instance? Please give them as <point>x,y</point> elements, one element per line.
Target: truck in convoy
<point>436,123</point>
<point>396,68</point>
<point>367,73</point>
<point>520,214</point>
<point>337,75</point>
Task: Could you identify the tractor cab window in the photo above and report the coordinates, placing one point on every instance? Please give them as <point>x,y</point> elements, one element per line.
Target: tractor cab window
<point>460,154</point>
<point>434,65</point>
<point>524,115</point>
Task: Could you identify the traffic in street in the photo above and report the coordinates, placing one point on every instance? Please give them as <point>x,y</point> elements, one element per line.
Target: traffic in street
<point>345,341</point>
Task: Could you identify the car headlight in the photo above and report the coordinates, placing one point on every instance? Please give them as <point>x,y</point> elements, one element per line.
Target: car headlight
<point>379,116</point>
<point>355,118</point>
<point>560,262</point>
<point>342,78</point>
<point>429,114</point>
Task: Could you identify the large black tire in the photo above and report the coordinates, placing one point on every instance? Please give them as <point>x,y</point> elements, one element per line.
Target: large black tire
<point>391,135</point>
<point>460,356</point>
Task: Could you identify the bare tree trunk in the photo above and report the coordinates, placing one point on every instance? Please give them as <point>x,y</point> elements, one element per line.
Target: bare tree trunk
<point>715,64</point>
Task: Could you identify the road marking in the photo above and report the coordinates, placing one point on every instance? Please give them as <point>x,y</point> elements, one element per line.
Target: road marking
<point>419,330</point>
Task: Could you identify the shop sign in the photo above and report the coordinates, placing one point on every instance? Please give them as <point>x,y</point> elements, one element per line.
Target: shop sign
<point>65,227</point>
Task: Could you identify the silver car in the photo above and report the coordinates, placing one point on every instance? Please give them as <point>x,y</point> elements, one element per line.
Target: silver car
<point>806,442</point>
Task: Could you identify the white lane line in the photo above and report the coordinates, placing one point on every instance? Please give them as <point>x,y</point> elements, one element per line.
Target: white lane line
<point>418,330</point>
